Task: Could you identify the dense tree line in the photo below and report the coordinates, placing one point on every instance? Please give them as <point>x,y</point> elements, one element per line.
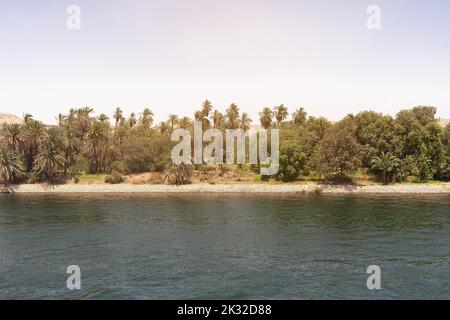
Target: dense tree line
<point>412,144</point>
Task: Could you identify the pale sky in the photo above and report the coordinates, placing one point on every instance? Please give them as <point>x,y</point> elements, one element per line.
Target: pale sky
<point>170,55</point>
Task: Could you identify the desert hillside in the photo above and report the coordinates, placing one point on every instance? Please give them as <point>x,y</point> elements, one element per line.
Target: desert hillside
<point>9,118</point>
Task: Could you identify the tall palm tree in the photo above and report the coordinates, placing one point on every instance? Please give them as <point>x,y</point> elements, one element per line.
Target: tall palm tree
<point>146,119</point>
<point>280,112</point>
<point>132,121</point>
<point>32,135</point>
<point>232,116</point>
<point>245,121</point>
<point>217,119</point>
<point>97,146</point>
<point>83,120</point>
<point>299,117</point>
<point>10,166</point>
<point>118,115</point>
<point>206,108</point>
<point>173,119</point>
<point>265,117</point>
<point>48,160</point>
<point>386,163</point>
<point>70,146</point>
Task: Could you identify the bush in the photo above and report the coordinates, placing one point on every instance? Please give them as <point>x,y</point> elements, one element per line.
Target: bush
<point>114,178</point>
<point>292,160</point>
<point>142,154</point>
<point>76,179</point>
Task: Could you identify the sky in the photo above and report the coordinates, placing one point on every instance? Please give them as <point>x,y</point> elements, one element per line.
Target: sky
<point>170,55</point>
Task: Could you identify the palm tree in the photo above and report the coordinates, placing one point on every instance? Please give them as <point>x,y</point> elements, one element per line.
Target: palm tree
<point>132,121</point>
<point>32,135</point>
<point>97,146</point>
<point>200,116</point>
<point>146,119</point>
<point>280,112</point>
<point>173,119</point>
<point>103,118</point>
<point>299,117</point>
<point>27,117</point>
<point>178,174</point>
<point>70,145</point>
<point>265,117</point>
<point>206,108</point>
<point>245,121</point>
<point>185,123</point>
<point>83,120</point>
<point>12,136</point>
<point>10,166</point>
<point>232,116</point>
<point>118,115</point>
<point>386,163</point>
<point>218,119</point>
<point>49,158</point>
<point>163,127</point>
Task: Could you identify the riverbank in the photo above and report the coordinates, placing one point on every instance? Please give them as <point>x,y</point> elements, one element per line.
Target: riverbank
<point>234,188</point>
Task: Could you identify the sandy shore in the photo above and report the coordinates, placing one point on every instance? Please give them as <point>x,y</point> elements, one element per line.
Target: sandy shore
<point>234,188</point>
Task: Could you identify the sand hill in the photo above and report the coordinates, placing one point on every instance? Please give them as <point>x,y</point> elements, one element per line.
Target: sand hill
<point>9,118</point>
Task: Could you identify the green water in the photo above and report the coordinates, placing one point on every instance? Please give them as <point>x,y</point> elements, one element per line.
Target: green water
<point>224,246</point>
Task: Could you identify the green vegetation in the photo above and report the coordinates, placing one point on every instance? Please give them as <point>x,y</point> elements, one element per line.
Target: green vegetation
<point>410,147</point>
<point>114,178</point>
<point>178,174</point>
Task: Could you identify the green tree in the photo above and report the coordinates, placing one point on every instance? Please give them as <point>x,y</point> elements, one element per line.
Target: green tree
<point>292,161</point>
<point>339,149</point>
<point>218,119</point>
<point>11,168</point>
<point>132,121</point>
<point>386,163</point>
<point>300,117</point>
<point>281,113</point>
<point>232,117</point>
<point>245,121</point>
<point>173,119</point>
<point>12,136</point>
<point>146,119</point>
<point>49,157</point>
<point>265,117</point>
<point>118,116</point>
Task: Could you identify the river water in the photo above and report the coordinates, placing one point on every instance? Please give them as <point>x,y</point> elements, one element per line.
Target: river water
<point>224,246</point>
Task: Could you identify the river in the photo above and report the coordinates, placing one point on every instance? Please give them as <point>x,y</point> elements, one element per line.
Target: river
<point>224,246</point>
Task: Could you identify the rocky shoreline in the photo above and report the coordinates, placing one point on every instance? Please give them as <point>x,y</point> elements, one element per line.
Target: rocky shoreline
<point>230,188</point>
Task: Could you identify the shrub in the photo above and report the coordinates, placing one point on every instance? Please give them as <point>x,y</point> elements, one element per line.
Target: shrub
<point>178,174</point>
<point>142,154</point>
<point>114,178</point>
<point>292,160</point>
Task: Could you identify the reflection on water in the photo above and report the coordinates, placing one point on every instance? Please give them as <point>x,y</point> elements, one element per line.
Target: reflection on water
<point>224,246</point>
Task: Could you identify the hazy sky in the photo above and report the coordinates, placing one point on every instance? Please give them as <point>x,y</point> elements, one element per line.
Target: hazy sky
<point>170,55</point>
